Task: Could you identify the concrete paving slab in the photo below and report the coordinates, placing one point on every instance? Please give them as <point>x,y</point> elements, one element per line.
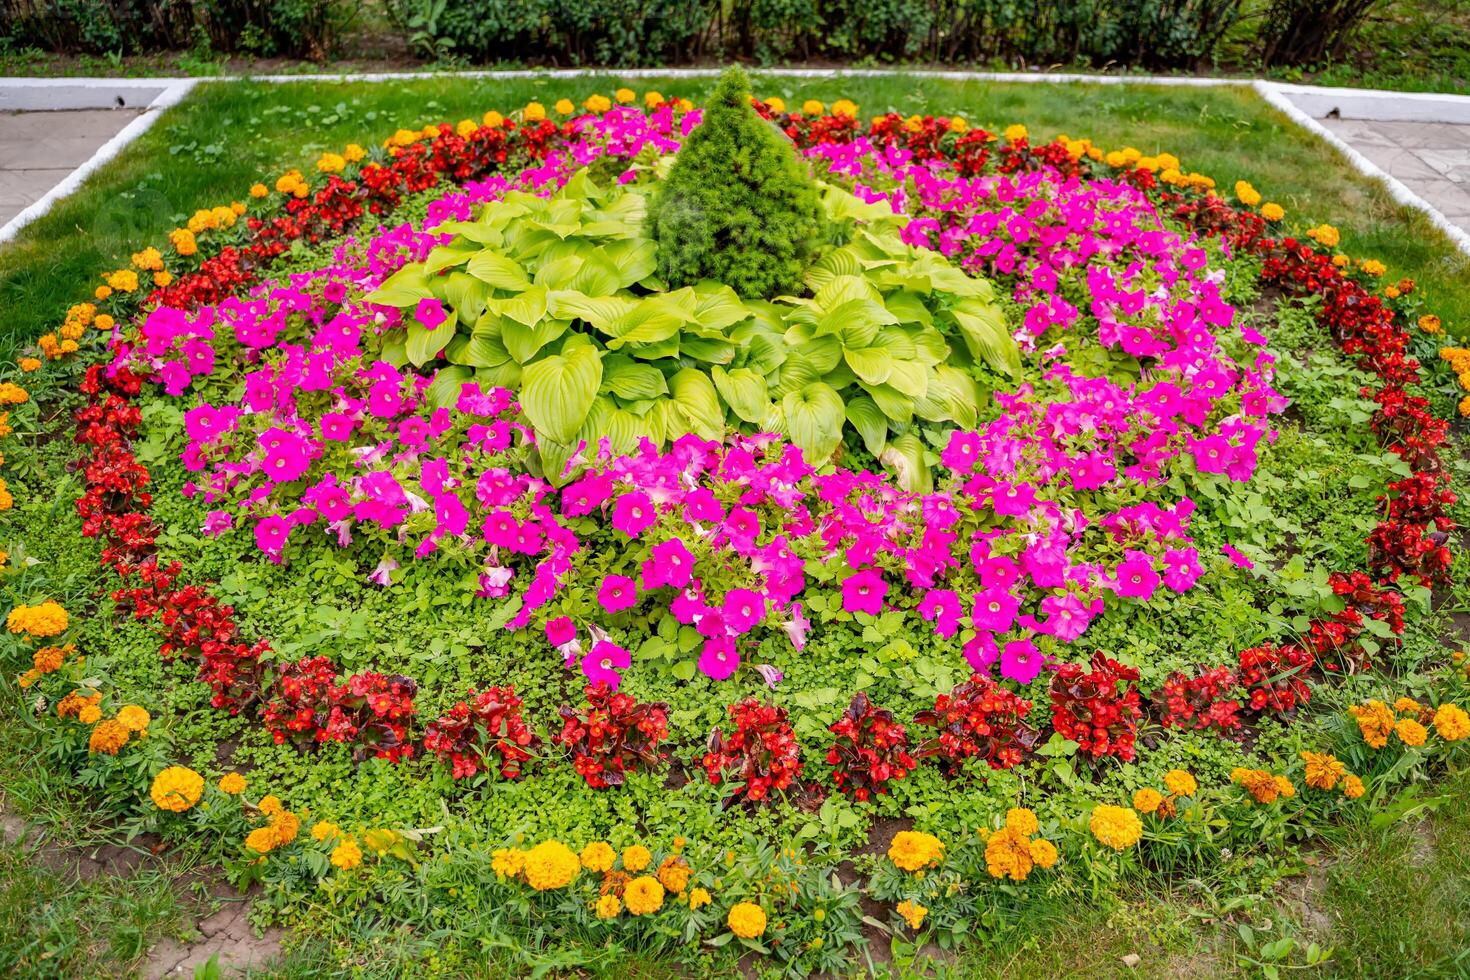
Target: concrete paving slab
<point>38,150</point>
<point>1430,159</point>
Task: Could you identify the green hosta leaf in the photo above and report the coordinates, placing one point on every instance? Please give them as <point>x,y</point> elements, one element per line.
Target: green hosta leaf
<point>668,420</point>
<point>424,345</point>
<point>894,404</point>
<point>929,346</point>
<point>631,380</point>
<point>554,458</point>
<point>466,297</point>
<point>652,319</point>
<point>635,259</point>
<point>984,329</point>
<point>744,391</point>
<point>814,418</point>
<point>856,322</point>
<point>600,311</point>
<point>404,288</point>
<point>910,378</point>
<point>525,342</point>
<point>717,306</point>
<point>904,458</point>
<point>527,306</point>
<point>870,422</point>
<point>506,374</point>
<point>558,273</point>
<point>707,350</point>
<point>696,397</point>
<point>449,256</point>
<point>498,270</point>
<point>557,392</point>
<point>444,390</point>
<point>823,354</point>
<point>838,262</point>
<point>843,289</point>
<point>908,307</point>
<point>598,275</point>
<point>871,364</point>
<point>796,373</point>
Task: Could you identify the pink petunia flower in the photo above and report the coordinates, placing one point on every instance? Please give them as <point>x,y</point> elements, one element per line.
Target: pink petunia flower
<point>864,591</point>
<point>617,592</point>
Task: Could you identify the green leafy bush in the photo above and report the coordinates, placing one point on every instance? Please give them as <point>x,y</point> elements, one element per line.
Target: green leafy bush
<point>560,300</point>
<point>739,206</point>
<point>298,28</point>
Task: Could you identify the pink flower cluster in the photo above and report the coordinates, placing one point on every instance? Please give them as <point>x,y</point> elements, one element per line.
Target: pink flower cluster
<point>1054,507</point>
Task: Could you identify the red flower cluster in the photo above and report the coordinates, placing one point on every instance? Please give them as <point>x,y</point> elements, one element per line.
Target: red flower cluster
<point>485,732</point>
<point>1206,700</point>
<point>370,710</point>
<point>871,749</point>
<point>613,735</point>
<point>978,718</point>
<point>1090,708</point>
<point>759,756</point>
<point>1273,677</point>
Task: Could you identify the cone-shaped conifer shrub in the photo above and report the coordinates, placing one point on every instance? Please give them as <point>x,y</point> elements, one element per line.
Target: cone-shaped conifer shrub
<point>739,205</point>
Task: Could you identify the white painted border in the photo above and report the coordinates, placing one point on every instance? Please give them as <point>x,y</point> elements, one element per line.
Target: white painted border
<point>1290,100</point>
<point>169,96</point>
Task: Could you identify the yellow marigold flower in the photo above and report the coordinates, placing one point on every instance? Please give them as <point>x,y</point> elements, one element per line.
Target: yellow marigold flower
<point>1341,261</point>
<point>1180,783</point>
<point>1323,769</point>
<point>1375,722</point>
<point>507,862</point>
<point>183,241</point>
<point>1117,827</point>
<point>1464,407</point>
<point>1374,268</point>
<point>1352,787</point>
<point>1022,821</point>
<point>1272,211</point>
<point>564,107</point>
<point>653,100</point>
<point>1406,706</point>
<point>90,714</point>
<point>747,920</point>
<point>46,619</point>
<point>232,784</point>
<point>466,127</point>
<point>69,346</point>
<point>1410,732</point>
<point>28,678</point>
<point>495,120</point>
<point>102,292</point>
<point>1147,800</point>
<point>346,855</point>
<point>598,856</point>
<point>1325,234</point>
<point>776,104</point>
<point>134,717</point>
<point>533,112</point>
<point>1392,292</point>
<point>105,322</point>
<point>1043,853</point>
<point>550,865</point>
<point>258,191</point>
<point>608,907</point>
<point>812,107</point>
<point>331,163</point>
<point>72,705</point>
<point>636,858</point>
<point>123,280</point>
<point>261,840</point>
<point>1168,160</point>
<point>597,103</point>
<point>1246,194</point>
<point>914,851</point>
<point>176,789</point>
<point>844,107</point>
<point>1430,323</point>
<point>271,805</point>
<point>201,221</point>
<point>48,660</point>
<point>912,912</point>
<point>285,826</point>
<point>29,364</point>
<point>1452,722</point>
<point>698,898</point>
<point>625,95</point>
<point>108,737</point>
<point>1008,854</point>
<point>13,394</point>
<point>643,896</point>
<point>149,260</point>
<point>353,152</point>
<point>162,279</point>
<point>323,829</point>
<point>1284,786</point>
<point>673,874</point>
<point>957,124</point>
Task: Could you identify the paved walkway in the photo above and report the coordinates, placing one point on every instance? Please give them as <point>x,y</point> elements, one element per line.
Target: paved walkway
<point>38,149</point>
<point>1431,159</point>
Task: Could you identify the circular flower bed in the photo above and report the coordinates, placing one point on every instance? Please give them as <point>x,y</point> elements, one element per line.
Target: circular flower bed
<point>475,556</point>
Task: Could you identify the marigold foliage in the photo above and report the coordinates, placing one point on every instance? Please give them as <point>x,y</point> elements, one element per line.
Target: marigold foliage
<point>738,206</point>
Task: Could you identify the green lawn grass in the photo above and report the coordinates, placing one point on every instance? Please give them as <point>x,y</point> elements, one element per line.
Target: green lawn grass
<point>225,136</point>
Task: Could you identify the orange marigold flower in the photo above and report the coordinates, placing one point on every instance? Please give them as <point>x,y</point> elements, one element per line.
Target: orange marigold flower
<point>1410,732</point>
<point>108,737</point>
<point>1323,769</point>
